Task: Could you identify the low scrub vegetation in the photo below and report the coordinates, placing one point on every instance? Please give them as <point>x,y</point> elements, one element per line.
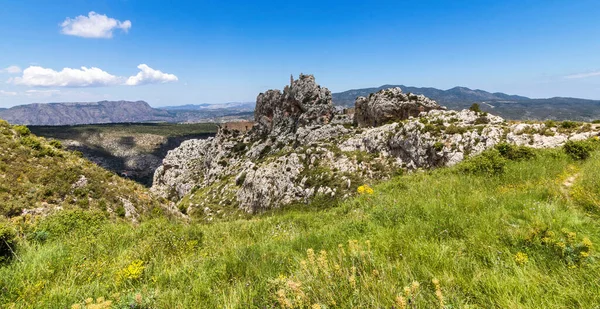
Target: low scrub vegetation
<point>38,174</point>
<point>511,228</point>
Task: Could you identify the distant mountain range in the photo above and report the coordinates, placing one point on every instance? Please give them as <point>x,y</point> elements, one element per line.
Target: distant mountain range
<point>116,112</point>
<point>505,105</point>
<point>237,106</point>
<point>508,106</point>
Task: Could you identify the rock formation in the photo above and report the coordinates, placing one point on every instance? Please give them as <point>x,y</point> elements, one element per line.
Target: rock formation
<point>390,105</point>
<point>296,152</point>
<point>302,103</point>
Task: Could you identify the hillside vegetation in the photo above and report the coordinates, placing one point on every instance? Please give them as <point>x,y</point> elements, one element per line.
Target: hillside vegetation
<point>38,176</point>
<point>511,228</point>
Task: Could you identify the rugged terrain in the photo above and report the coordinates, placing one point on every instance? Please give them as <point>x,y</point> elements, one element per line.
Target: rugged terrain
<point>37,176</point>
<point>299,150</point>
<point>131,150</point>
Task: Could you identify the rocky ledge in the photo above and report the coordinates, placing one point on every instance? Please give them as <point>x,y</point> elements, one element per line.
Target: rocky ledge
<point>297,152</point>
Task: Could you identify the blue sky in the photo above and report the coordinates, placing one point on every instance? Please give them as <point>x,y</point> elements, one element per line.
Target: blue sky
<point>223,51</point>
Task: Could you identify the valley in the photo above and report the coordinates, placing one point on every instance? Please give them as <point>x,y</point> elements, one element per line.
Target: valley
<point>131,150</point>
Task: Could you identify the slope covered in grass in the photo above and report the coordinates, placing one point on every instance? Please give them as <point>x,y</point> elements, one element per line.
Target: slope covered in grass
<point>38,175</point>
<point>521,236</point>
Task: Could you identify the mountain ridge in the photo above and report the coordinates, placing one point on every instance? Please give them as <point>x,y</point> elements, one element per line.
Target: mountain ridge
<point>509,106</point>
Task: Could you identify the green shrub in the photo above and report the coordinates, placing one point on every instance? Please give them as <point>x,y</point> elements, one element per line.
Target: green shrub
<point>579,150</point>
<point>265,151</point>
<point>475,108</point>
<point>239,147</point>
<point>240,180</point>
<point>453,129</point>
<point>515,153</point>
<point>22,130</point>
<point>438,146</point>
<point>482,120</point>
<point>435,130</point>
<point>550,123</point>
<point>8,240</point>
<point>120,211</point>
<point>489,162</point>
<point>569,124</point>
<point>31,142</point>
<point>596,121</point>
<point>56,144</point>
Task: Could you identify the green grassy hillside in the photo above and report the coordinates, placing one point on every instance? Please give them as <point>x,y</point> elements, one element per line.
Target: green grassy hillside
<point>38,175</point>
<point>512,228</point>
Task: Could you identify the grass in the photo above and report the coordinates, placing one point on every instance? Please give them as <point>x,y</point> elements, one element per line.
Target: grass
<point>524,238</point>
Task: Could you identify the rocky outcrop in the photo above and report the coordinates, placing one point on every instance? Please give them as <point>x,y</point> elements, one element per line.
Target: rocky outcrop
<point>296,153</point>
<point>302,103</point>
<point>390,105</point>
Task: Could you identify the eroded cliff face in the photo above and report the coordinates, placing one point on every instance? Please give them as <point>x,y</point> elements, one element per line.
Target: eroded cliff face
<point>295,153</point>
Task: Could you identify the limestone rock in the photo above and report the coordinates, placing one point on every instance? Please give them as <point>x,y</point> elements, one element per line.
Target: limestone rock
<point>390,105</point>
<point>302,103</point>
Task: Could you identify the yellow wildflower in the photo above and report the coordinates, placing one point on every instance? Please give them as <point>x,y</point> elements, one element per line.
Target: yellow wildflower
<point>414,287</point>
<point>365,189</point>
<point>401,302</point>
<point>311,256</point>
<point>587,243</point>
<point>521,258</point>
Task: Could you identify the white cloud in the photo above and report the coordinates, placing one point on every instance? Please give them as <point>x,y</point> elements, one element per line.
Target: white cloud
<point>7,93</point>
<point>67,77</point>
<point>13,69</point>
<point>93,26</point>
<point>36,76</point>
<point>583,75</point>
<point>148,75</point>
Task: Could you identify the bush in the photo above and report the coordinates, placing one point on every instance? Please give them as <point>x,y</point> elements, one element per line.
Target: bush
<point>239,147</point>
<point>475,108</point>
<point>31,142</point>
<point>438,146</point>
<point>22,130</point>
<point>56,144</point>
<point>488,162</point>
<point>239,181</point>
<point>8,239</point>
<point>120,211</point>
<point>569,124</point>
<point>579,150</point>
<point>515,153</point>
<point>550,123</point>
<point>482,120</point>
<point>452,129</point>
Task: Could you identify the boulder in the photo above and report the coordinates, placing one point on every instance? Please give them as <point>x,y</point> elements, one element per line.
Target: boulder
<point>390,105</point>
<point>302,103</point>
